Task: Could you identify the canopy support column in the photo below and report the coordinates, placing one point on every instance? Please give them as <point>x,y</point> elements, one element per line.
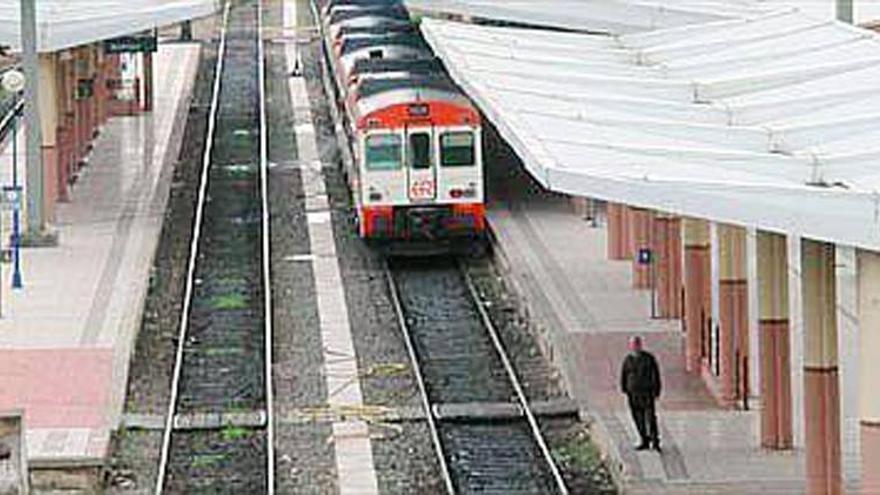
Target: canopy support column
<point>733,313</point>
<point>666,247</point>
<point>773,327</point>
<point>869,364</point>
<point>821,381</point>
<point>697,290</point>
<point>615,237</point>
<point>640,228</point>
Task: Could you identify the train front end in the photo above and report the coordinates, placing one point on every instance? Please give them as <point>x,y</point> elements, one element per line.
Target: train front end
<point>420,166</point>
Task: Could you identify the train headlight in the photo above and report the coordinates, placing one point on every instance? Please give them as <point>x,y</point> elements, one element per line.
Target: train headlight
<point>470,192</point>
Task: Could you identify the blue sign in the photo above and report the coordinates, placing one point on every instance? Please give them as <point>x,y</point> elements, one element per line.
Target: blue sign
<point>644,256</point>
<point>11,198</point>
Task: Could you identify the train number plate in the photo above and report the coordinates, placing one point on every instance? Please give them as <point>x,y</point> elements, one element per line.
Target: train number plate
<point>422,189</point>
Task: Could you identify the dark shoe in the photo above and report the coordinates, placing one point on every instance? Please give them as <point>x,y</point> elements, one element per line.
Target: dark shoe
<point>657,446</point>
<point>643,446</point>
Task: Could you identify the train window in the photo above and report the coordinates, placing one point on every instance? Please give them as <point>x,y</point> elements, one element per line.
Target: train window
<point>419,151</point>
<point>457,149</point>
<point>383,152</point>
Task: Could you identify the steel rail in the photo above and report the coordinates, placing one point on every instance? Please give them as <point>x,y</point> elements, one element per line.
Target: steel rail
<point>193,256</point>
<point>430,414</point>
<point>514,380</point>
<point>266,253</point>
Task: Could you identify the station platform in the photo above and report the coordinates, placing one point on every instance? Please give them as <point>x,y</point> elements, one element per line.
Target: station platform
<point>66,337</point>
<point>584,308</point>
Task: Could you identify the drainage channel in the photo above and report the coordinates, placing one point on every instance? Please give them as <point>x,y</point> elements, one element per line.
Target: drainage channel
<point>220,366</point>
<point>460,359</point>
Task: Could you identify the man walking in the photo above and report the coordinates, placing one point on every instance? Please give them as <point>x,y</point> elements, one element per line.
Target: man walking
<point>640,381</point>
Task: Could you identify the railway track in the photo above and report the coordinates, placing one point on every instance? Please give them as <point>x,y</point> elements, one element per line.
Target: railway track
<point>218,433</point>
<point>458,358</point>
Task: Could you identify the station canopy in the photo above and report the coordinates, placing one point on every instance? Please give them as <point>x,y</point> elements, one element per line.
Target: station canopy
<point>770,121</point>
<point>67,23</point>
<point>605,16</point>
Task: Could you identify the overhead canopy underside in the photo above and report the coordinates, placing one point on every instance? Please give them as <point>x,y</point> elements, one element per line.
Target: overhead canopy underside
<point>68,23</point>
<point>769,121</point>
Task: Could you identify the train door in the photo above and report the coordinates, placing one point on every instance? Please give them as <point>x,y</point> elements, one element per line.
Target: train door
<point>421,168</point>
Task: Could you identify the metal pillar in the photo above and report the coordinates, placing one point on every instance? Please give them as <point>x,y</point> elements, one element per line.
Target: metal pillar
<point>36,210</point>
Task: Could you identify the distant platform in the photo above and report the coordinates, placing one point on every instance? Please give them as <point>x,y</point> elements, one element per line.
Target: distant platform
<point>67,336</point>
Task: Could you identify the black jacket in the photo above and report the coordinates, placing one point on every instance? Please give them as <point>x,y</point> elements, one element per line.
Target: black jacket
<point>640,375</point>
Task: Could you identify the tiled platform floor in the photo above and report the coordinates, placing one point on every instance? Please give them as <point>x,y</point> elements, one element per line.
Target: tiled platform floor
<point>66,337</point>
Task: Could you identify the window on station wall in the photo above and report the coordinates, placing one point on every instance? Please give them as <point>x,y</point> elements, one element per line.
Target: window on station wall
<point>383,152</point>
<point>457,149</point>
<point>418,151</point>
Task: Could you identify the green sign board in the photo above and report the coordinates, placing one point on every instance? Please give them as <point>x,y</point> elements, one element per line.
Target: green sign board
<point>130,44</point>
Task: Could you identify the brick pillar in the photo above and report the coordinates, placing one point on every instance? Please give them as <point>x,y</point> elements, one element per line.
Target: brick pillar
<point>90,101</point>
<point>666,246</point>
<point>640,228</point>
<point>869,368</point>
<point>62,132</point>
<point>773,330</point>
<point>626,238</point>
<point>101,86</point>
<point>614,240</point>
<point>821,382</point>
<point>697,289</point>
<point>733,313</point>
<point>148,82</point>
<point>79,108</point>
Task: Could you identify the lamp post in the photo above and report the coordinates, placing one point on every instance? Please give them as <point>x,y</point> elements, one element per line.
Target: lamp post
<point>14,82</point>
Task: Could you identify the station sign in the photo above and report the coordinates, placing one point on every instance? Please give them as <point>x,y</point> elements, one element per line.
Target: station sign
<point>131,44</point>
<point>11,198</point>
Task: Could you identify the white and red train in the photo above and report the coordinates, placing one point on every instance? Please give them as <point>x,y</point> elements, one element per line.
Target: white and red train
<point>412,140</point>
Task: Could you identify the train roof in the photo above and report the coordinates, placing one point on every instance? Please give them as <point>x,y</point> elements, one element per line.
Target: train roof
<point>386,26</point>
<point>435,82</point>
<point>405,52</point>
<point>364,3</point>
<point>416,66</point>
<point>389,12</point>
<point>394,39</point>
<point>410,94</point>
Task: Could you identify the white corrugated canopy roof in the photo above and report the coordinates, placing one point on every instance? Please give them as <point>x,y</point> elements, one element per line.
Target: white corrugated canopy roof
<point>611,16</point>
<point>770,121</point>
<point>67,23</point>
<point>628,16</point>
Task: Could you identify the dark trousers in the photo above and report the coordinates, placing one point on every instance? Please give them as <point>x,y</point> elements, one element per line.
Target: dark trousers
<point>642,409</point>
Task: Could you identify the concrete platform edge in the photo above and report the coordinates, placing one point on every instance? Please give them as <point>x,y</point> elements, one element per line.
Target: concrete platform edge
<point>159,203</point>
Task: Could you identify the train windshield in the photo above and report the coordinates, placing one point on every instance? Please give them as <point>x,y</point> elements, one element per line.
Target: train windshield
<point>383,152</point>
<point>457,149</point>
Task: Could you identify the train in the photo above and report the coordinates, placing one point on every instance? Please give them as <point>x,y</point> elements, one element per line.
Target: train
<point>411,140</point>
